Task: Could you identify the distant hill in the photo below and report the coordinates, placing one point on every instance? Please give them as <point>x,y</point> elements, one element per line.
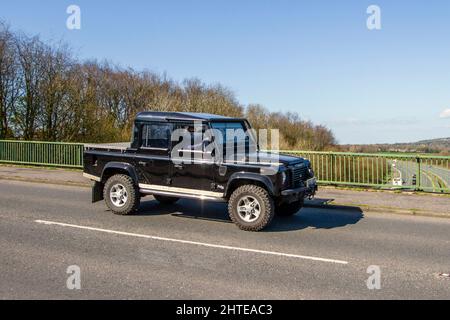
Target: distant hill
<point>440,141</point>
<point>436,146</point>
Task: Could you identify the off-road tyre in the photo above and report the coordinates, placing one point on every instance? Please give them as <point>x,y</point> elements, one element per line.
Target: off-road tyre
<point>266,207</point>
<point>133,198</point>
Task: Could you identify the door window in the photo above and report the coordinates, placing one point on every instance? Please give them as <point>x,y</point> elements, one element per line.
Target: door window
<point>156,135</point>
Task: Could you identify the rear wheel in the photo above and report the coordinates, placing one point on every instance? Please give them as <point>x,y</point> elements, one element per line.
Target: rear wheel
<point>251,208</point>
<point>289,209</point>
<point>165,199</point>
<point>121,194</point>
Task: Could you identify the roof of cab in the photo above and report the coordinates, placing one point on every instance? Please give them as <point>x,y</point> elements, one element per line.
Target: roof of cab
<point>192,116</point>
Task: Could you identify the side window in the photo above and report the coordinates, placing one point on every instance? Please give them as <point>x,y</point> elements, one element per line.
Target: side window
<point>196,142</point>
<point>156,135</point>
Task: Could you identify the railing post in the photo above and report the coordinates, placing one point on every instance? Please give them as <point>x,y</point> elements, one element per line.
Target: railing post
<point>419,174</point>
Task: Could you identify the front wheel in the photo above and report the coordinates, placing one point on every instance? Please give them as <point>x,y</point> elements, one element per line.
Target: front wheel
<point>121,195</point>
<point>251,208</point>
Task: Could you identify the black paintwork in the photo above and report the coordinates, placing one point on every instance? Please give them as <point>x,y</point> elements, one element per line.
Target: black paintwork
<point>155,166</point>
<point>179,116</point>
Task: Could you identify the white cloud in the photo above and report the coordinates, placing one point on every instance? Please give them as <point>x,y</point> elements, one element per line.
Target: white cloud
<point>445,114</point>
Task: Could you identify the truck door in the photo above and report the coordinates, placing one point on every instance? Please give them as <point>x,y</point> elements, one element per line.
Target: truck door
<point>190,169</point>
<point>152,156</point>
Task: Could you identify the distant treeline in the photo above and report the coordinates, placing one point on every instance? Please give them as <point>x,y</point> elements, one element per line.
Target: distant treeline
<point>435,146</point>
<point>48,94</point>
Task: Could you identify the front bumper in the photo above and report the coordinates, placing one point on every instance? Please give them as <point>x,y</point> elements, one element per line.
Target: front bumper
<point>306,191</point>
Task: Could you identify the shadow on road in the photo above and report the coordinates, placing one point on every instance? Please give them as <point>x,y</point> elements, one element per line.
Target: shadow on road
<point>318,218</point>
<point>212,211</point>
<point>308,217</point>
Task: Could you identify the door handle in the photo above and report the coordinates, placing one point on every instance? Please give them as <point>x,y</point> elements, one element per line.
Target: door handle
<point>145,163</point>
<point>179,166</point>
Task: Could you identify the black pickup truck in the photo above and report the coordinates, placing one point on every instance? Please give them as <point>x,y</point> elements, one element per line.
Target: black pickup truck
<point>159,163</point>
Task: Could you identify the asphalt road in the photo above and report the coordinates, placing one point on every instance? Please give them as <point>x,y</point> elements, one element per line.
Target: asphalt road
<point>191,250</point>
<point>433,177</point>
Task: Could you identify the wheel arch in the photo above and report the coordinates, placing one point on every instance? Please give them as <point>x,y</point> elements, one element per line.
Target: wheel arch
<point>112,168</point>
<point>239,179</point>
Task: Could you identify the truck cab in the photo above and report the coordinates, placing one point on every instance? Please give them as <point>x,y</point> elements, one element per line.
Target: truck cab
<point>199,156</point>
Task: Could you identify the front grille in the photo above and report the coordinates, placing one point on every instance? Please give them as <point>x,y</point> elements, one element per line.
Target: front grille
<point>299,174</point>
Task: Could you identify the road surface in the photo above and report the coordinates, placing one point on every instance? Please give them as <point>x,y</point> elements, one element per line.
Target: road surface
<point>191,250</point>
<point>433,178</point>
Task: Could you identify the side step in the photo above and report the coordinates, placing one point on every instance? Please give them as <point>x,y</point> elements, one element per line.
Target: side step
<point>181,195</point>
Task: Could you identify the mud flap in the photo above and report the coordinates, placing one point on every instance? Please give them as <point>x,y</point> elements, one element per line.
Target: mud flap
<point>97,192</point>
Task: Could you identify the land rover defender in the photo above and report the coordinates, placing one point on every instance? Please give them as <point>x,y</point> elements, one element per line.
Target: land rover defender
<point>170,157</point>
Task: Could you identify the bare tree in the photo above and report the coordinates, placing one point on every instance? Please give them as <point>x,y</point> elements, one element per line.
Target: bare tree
<point>9,92</point>
<point>56,64</point>
<point>30,54</point>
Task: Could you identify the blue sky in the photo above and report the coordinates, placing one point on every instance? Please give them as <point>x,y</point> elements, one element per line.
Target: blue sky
<point>314,57</point>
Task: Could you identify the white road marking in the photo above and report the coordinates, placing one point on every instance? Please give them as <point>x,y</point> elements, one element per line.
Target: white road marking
<point>210,245</point>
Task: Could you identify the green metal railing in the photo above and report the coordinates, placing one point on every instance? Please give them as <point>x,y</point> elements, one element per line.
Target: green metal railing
<point>54,154</point>
<point>402,171</point>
